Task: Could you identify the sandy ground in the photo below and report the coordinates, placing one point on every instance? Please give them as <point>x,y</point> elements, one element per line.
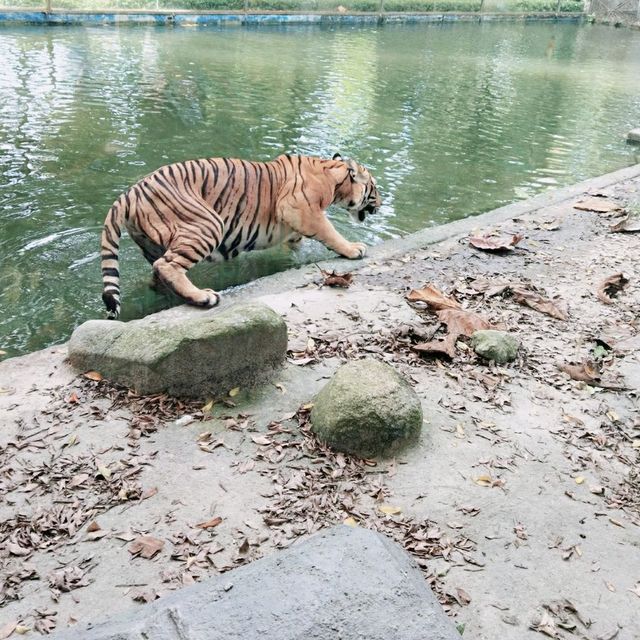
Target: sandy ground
<point>521,501</point>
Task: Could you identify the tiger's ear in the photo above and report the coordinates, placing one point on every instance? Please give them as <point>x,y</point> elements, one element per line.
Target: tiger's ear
<point>356,173</point>
<point>336,156</point>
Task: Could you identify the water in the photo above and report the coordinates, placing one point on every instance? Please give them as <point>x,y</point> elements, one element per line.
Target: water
<point>453,120</point>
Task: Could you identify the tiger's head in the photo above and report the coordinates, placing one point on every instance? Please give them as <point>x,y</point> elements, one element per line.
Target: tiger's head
<point>358,192</point>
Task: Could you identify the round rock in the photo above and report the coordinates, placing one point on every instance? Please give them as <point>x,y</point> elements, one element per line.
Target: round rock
<point>367,409</point>
<point>494,345</point>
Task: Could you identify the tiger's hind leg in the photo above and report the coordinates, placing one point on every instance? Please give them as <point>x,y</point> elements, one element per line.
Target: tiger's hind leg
<point>186,249</point>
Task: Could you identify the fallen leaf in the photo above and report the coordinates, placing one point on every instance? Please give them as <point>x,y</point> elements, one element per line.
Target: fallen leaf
<point>433,297</point>
<point>207,407</point>
<point>546,625</point>
<point>628,224</point>
<point>234,392</point>
<point>333,279</point>
<point>104,471</point>
<point>350,522</point>
<point>7,629</point>
<point>146,546</point>
<point>611,286</point>
<point>148,493</point>
<point>437,347</point>
<point>459,322</point>
<point>579,479</point>
<point>93,375</point>
<point>462,596</point>
<point>525,296</point>
<point>78,479</point>
<point>389,510</point>
<point>210,524</point>
<point>489,243</point>
<point>73,398</point>
<point>93,526</point>
<point>599,205</point>
<point>585,372</point>
<point>261,440</point>
<point>244,547</point>
<point>484,481</point>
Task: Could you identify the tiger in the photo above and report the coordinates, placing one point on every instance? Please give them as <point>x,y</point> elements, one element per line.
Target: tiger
<point>213,209</point>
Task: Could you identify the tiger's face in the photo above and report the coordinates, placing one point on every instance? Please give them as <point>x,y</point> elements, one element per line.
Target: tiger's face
<point>358,194</point>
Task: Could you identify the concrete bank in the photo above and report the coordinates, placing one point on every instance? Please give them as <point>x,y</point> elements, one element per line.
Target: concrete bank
<point>520,502</point>
<point>231,18</point>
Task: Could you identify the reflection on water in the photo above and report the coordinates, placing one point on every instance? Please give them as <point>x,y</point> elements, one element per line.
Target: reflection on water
<point>453,120</point>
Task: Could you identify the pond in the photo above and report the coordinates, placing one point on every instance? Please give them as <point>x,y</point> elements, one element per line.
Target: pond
<point>453,120</point>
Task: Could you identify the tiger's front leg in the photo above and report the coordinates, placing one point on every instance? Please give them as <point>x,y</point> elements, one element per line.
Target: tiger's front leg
<point>317,226</point>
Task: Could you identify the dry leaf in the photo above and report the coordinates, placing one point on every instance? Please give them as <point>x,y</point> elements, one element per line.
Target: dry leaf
<point>459,322</point>
<point>628,224</point>
<point>585,372</point>
<point>333,279</point>
<point>73,398</point>
<point>146,546</point>
<point>599,205</point>
<point>546,625</point>
<point>147,493</point>
<point>484,481</point>
<point>234,392</point>
<point>434,298</point>
<point>611,286</point>
<point>462,596</point>
<point>489,243</point>
<point>579,479</point>
<point>93,375</point>
<point>210,524</point>
<point>389,510</point>
<point>261,440</point>
<point>7,629</point>
<point>350,522</point>
<point>207,407</point>
<point>525,296</point>
<point>93,526</point>
<point>437,347</point>
<point>78,479</point>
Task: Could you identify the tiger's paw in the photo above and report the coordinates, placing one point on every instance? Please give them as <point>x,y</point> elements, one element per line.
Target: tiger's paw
<point>210,299</point>
<point>357,250</point>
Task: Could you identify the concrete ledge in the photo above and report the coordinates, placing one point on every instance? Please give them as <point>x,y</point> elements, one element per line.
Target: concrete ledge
<point>634,136</point>
<point>347,583</point>
<point>204,18</point>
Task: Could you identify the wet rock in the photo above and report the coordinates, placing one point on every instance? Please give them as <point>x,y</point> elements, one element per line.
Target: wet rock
<point>347,582</point>
<point>367,409</point>
<point>494,345</point>
<point>199,355</point>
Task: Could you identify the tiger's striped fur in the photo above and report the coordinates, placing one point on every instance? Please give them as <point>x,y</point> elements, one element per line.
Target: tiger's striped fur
<point>216,208</point>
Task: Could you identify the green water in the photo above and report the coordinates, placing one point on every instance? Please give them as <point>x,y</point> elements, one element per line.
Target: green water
<point>453,120</point>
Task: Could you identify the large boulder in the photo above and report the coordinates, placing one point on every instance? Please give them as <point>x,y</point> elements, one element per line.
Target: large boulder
<point>199,355</point>
<point>495,345</point>
<point>367,409</point>
<point>347,583</point>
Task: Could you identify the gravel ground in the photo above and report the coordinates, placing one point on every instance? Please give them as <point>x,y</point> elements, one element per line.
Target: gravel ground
<point>521,502</point>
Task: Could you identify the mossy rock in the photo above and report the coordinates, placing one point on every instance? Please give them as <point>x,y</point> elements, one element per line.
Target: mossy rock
<point>494,345</point>
<point>367,409</point>
<point>200,355</point>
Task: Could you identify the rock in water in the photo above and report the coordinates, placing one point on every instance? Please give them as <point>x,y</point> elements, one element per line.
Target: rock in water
<point>200,355</point>
<point>367,409</point>
<point>494,345</point>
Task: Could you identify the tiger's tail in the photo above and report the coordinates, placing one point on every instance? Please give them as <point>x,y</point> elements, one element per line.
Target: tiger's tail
<point>109,249</point>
